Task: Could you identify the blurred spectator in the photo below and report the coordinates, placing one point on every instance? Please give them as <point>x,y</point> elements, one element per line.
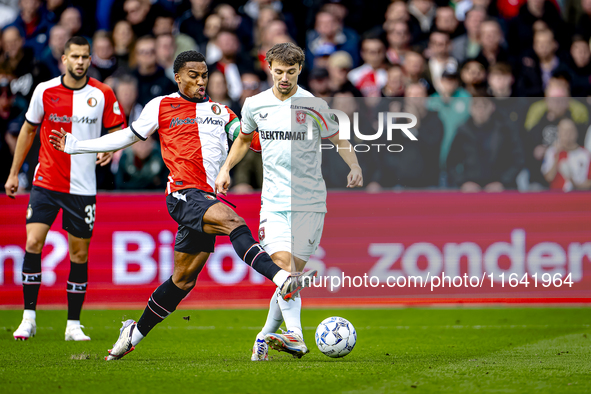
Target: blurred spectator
<point>339,65</point>
<point>371,77</point>
<point>500,80</point>
<point>319,82</point>
<point>567,165</point>
<point>418,164</point>
<point>103,61</point>
<point>541,124</point>
<point>580,64</point>
<point>467,45</point>
<point>164,24</point>
<point>126,91</point>
<point>445,21</point>
<point>11,119</point>
<point>439,58</point>
<point>152,81</point>
<point>165,50</point>
<point>8,13</point>
<point>217,89</point>
<point>192,23</point>
<point>52,55</point>
<point>20,61</point>
<point>415,70</point>
<point>491,44</point>
<point>230,20</point>
<point>248,174</point>
<point>33,25</point>
<point>231,63</point>
<point>398,38</point>
<point>452,104</point>
<point>329,36</point>
<point>395,83</point>
<point>521,28</point>
<point>213,25</point>
<point>473,76</point>
<point>268,34</point>
<point>141,16</point>
<point>71,20</point>
<point>398,12</point>
<point>537,68</point>
<point>485,154</point>
<point>583,26</point>
<point>55,9</point>
<point>141,167</point>
<point>124,43</point>
<point>424,11</point>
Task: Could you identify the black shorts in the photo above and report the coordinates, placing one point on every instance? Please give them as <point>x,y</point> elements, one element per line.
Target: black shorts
<point>187,207</point>
<point>78,211</point>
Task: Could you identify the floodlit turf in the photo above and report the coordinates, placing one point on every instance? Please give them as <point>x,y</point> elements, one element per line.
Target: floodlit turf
<point>500,350</point>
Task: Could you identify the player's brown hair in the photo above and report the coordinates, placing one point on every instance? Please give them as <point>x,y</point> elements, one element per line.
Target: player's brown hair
<point>286,53</point>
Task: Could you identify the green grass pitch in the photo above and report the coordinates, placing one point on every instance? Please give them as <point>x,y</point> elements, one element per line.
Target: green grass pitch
<point>417,350</point>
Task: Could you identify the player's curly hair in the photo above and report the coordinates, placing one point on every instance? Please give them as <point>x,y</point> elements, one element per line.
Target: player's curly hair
<point>185,57</point>
<point>286,53</point>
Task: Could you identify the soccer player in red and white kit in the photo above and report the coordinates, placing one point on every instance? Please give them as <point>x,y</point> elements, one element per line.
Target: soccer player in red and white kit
<point>194,134</point>
<point>81,105</point>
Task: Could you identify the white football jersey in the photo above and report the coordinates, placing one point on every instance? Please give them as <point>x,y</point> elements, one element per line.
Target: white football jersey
<point>291,161</point>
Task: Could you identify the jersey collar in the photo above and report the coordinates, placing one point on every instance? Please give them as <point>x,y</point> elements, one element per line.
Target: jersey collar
<point>64,85</point>
<point>195,100</point>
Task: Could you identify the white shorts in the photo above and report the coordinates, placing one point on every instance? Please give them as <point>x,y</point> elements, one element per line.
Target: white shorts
<point>298,233</point>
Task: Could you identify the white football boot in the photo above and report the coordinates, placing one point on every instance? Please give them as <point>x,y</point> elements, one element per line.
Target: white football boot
<point>295,283</point>
<point>75,333</point>
<point>289,342</point>
<point>260,350</point>
<point>26,330</point>
<point>123,344</point>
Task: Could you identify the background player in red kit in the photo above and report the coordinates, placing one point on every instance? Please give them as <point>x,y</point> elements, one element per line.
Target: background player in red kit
<point>194,136</point>
<point>81,105</point>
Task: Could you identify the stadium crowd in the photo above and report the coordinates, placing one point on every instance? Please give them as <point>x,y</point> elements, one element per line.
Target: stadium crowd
<point>499,87</point>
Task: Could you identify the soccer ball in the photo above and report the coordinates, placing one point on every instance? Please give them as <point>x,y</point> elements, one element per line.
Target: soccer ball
<point>335,337</point>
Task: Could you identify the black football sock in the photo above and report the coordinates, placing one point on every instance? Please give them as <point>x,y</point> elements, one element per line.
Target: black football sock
<point>162,303</point>
<point>76,288</point>
<point>31,279</point>
<point>252,252</point>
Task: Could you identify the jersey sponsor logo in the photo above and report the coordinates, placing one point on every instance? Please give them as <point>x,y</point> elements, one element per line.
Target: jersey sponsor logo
<point>198,120</point>
<point>74,119</point>
<point>116,109</point>
<point>216,109</point>
<point>300,117</point>
<point>282,135</point>
<point>92,102</point>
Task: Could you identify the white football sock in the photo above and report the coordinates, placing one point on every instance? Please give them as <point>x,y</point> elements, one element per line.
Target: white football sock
<point>29,314</point>
<point>280,278</point>
<point>136,337</point>
<point>291,311</point>
<point>72,323</point>
<point>274,317</point>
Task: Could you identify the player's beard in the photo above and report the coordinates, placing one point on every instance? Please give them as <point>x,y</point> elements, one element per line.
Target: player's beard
<point>76,77</point>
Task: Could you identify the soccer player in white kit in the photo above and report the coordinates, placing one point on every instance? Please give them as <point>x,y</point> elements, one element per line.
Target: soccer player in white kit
<point>294,193</point>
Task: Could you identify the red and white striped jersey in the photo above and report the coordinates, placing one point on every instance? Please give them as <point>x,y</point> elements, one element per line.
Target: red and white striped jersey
<point>81,112</point>
<point>193,138</point>
<point>573,166</point>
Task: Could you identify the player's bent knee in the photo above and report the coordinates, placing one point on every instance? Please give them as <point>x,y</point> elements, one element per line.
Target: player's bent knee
<point>34,244</point>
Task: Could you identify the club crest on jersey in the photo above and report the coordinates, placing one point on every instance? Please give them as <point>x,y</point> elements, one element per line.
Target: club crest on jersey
<point>261,233</point>
<point>216,109</point>
<point>91,102</point>
<point>300,117</point>
<point>209,197</point>
<point>29,212</point>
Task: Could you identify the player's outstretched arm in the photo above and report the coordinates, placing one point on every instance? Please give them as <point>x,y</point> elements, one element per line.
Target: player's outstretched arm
<point>66,142</point>
<point>23,145</point>
<point>355,177</point>
<point>237,153</point>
